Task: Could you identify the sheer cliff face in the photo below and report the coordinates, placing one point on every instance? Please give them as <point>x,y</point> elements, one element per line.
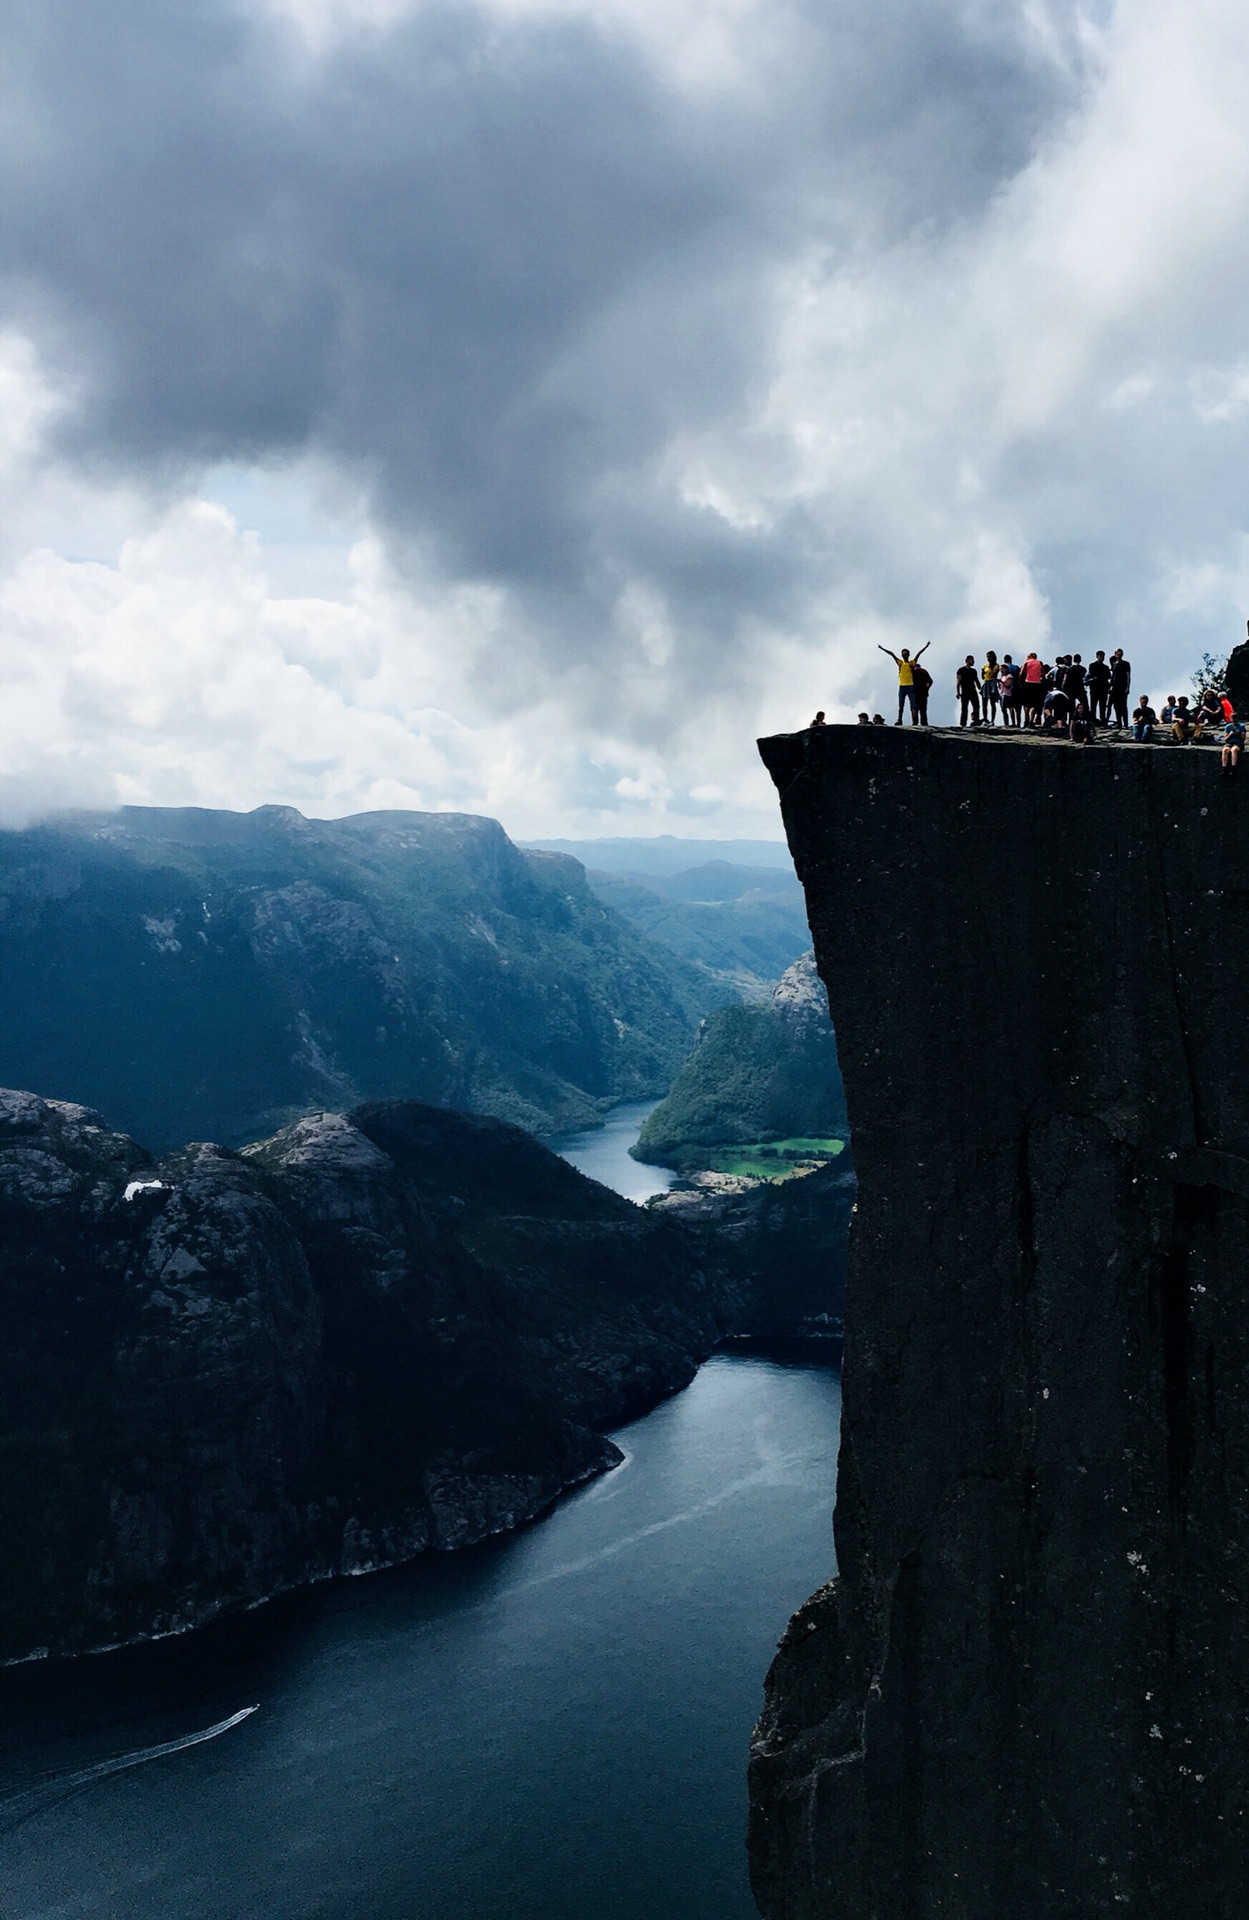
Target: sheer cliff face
<point>1027,1691</point>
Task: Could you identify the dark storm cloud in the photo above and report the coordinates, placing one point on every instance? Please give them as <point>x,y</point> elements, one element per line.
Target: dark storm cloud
<point>497,263</point>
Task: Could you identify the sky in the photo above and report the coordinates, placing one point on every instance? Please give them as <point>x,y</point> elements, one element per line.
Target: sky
<point>519,406</point>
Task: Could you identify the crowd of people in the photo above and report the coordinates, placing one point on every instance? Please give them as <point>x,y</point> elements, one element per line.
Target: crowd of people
<point>1068,699</point>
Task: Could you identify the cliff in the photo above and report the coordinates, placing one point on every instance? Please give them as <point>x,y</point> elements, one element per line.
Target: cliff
<point>376,1333</point>
<point>201,974</point>
<point>1026,1691</point>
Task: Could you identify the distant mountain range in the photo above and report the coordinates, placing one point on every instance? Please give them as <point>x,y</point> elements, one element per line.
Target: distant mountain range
<point>202,974</point>
<point>664,855</point>
<point>732,908</point>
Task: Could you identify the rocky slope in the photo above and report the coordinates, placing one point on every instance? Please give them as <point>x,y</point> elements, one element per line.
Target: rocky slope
<point>197,973</point>
<point>1026,1692</point>
<point>374,1333</point>
<point>756,1073</point>
<point>776,1249</point>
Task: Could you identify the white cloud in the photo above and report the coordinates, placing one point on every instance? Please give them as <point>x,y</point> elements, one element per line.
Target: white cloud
<point>622,443</point>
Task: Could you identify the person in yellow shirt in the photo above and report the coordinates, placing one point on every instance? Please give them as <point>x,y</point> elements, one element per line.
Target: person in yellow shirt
<point>906,679</point>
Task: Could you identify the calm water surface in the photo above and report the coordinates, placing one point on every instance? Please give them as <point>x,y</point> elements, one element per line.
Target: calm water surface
<point>551,1727</point>
<point>603,1153</point>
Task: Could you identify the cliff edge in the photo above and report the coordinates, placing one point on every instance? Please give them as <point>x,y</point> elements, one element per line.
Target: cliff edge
<point>1026,1692</point>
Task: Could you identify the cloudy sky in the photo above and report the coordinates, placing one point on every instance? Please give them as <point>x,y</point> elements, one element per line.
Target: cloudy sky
<point>518,406</point>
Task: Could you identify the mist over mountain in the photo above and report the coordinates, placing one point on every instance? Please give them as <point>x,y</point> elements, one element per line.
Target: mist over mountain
<point>204,974</point>
<point>739,925</point>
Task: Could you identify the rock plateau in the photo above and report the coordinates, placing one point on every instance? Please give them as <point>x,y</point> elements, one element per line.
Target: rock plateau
<point>1027,1690</point>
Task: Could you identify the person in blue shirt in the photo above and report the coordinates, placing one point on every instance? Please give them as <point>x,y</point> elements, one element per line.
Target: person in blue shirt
<point>1233,741</point>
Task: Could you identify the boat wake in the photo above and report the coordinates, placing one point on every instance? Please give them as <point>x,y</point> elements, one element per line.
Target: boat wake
<point>54,1789</point>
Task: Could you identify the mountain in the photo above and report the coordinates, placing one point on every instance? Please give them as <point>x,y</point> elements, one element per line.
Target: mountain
<point>663,854</point>
<point>756,1074</point>
<point>740,926</point>
<point>375,1333</point>
<point>210,974</point>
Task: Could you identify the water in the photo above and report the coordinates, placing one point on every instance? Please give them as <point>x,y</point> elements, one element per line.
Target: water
<point>603,1153</point>
<point>549,1727</point>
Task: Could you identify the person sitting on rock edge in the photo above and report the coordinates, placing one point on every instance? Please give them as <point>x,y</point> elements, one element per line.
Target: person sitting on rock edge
<point>1082,731</point>
<point>1233,741</point>
<point>865,719</point>
<point>819,720</point>
<point>878,719</point>
<point>1181,720</point>
<point>1144,720</point>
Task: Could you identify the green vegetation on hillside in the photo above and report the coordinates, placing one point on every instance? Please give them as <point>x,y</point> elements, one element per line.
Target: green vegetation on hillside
<point>758,1076</point>
<point>762,1160</point>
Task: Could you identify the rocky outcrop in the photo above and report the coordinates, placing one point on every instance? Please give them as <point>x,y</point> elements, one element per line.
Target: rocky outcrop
<point>204,974</point>
<point>1027,1689</point>
<point>224,1374</point>
<point>775,1249</point>
<point>756,1073</point>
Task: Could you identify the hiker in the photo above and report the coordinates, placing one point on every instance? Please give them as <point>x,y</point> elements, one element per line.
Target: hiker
<point>1144,720</point>
<point>1181,720</point>
<point>965,683</point>
<point>1006,678</point>
<point>923,687</point>
<point>1229,712</point>
<point>1167,715</point>
<point>878,719</point>
<point>1097,680</point>
<point>1033,690</point>
<point>1074,680</point>
<point>1233,741</point>
<point>819,720</point>
<point>906,677</point>
<point>865,720</point>
<point>1120,682</point>
<point>989,688</point>
<point>1057,712</point>
<point>1209,714</point>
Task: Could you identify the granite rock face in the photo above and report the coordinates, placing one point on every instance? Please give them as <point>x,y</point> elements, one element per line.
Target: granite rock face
<point>1026,1692</point>
<point>225,1374</point>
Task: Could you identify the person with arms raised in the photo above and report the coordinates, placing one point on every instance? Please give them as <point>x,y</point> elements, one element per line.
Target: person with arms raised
<point>906,678</point>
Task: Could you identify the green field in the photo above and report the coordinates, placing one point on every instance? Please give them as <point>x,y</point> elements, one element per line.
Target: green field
<point>769,1160</point>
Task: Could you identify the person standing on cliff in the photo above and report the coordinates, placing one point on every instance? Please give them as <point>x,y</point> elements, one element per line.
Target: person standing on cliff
<point>1120,683</point>
<point>966,682</point>
<point>923,687</point>
<point>1033,689</point>
<point>989,688</point>
<point>1097,679</point>
<point>906,677</point>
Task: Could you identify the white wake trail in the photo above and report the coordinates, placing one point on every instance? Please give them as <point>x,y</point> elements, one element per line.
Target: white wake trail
<point>50,1793</point>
